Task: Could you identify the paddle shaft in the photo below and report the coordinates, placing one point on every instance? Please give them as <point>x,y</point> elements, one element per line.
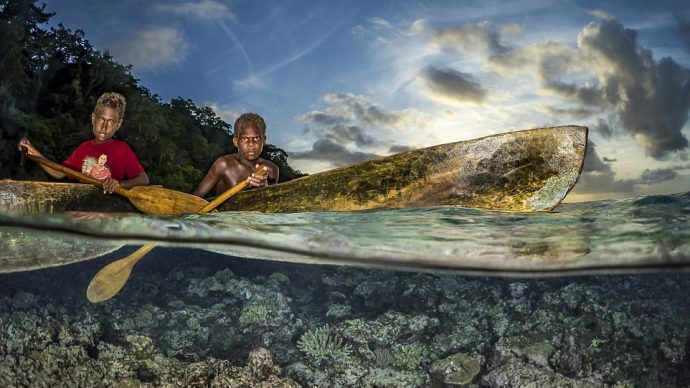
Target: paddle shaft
<point>230,192</point>
<point>148,199</point>
<point>73,173</point>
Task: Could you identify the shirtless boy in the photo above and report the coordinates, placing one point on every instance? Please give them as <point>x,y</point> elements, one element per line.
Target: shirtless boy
<point>229,170</point>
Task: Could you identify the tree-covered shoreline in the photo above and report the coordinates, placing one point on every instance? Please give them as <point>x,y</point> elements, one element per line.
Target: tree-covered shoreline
<point>50,78</point>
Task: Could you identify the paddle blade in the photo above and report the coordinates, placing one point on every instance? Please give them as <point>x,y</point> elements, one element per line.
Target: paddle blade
<point>158,201</point>
<point>111,278</point>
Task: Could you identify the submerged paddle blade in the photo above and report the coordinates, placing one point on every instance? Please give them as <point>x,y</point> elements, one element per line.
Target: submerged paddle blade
<point>158,201</point>
<point>111,278</point>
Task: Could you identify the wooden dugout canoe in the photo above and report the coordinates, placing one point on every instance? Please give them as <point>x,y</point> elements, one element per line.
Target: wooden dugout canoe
<point>530,170</point>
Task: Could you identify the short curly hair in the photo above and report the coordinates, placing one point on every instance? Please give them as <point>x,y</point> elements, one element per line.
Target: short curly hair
<point>111,100</point>
<point>250,120</point>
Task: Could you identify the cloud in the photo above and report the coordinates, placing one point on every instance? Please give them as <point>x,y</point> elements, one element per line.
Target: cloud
<point>350,124</point>
<point>592,161</point>
<point>598,177</point>
<point>657,176</point>
<point>345,134</point>
<point>470,37</point>
<point>228,115</point>
<point>609,71</point>
<point>336,154</point>
<point>578,112</point>
<point>380,22</point>
<point>360,108</point>
<point>683,29</point>
<point>334,127</point>
<point>588,95</point>
<point>383,29</point>
<point>453,85</point>
<point>681,167</point>
<point>603,128</point>
<point>651,98</point>
<point>347,111</point>
<point>604,183</point>
<point>396,149</point>
<point>152,48</point>
<point>203,10</point>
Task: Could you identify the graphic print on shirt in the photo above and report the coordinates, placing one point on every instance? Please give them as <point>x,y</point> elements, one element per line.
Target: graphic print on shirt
<point>96,168</point>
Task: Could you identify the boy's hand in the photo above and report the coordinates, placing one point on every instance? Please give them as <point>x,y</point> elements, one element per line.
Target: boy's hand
<point>109,185</point>
<point>25,144</point>
<point>259,180</point>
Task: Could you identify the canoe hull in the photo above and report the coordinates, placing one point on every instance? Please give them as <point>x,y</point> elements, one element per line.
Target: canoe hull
<point>51,197</point>
<point>516,171</point>
<point>529,170</point>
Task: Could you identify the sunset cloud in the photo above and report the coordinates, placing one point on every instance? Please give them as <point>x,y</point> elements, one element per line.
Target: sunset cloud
<point>453,85</point>
<point>471,37</point>
<point>610,71</point>
<point>351,129</point>
<point>598,177</point>
<point>336,154</point>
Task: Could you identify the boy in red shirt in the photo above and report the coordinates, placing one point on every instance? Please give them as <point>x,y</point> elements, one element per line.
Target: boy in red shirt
<point>111,161</point>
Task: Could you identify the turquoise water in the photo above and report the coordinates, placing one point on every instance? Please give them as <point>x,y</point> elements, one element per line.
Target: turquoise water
<point>592,237</point>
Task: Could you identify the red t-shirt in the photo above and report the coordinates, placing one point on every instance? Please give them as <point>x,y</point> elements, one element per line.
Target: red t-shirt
<point>113,159</point>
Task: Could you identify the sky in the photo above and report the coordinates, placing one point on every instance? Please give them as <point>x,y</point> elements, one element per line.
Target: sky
<point>340,82</point>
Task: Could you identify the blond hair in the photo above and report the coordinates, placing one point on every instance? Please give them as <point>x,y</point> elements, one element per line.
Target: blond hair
<point>249,120</point>
<point>111,100</point>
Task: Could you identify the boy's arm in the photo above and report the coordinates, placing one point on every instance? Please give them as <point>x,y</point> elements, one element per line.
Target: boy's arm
<point>210,180</point>
<point>25,144</point>
<point>139,180</point>
<point>110,184</point>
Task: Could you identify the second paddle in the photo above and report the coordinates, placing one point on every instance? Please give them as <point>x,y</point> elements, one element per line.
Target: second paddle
<point>111,278</point>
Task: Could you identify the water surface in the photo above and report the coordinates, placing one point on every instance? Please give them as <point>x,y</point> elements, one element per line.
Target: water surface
<point>602,236</point>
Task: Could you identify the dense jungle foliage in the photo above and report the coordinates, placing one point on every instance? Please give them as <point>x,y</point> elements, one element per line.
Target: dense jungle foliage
<point>50,79</point>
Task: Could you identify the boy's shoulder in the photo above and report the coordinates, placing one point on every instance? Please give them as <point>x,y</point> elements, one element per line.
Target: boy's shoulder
<point>228,158</point>
<point>227,161</point>
<point>232,160</point>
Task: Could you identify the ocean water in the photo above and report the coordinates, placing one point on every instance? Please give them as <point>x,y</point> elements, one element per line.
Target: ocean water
<point>605,236</point>
<point>591,294</point>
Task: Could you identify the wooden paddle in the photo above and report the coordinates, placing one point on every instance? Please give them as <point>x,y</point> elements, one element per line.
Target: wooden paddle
<point>111,278</point>
<point>152,200</point>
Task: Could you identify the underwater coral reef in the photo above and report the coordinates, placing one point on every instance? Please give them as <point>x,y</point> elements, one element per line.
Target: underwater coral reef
<point>193,318</point>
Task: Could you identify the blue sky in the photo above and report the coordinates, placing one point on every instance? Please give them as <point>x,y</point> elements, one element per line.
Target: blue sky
<point>342,81</point>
